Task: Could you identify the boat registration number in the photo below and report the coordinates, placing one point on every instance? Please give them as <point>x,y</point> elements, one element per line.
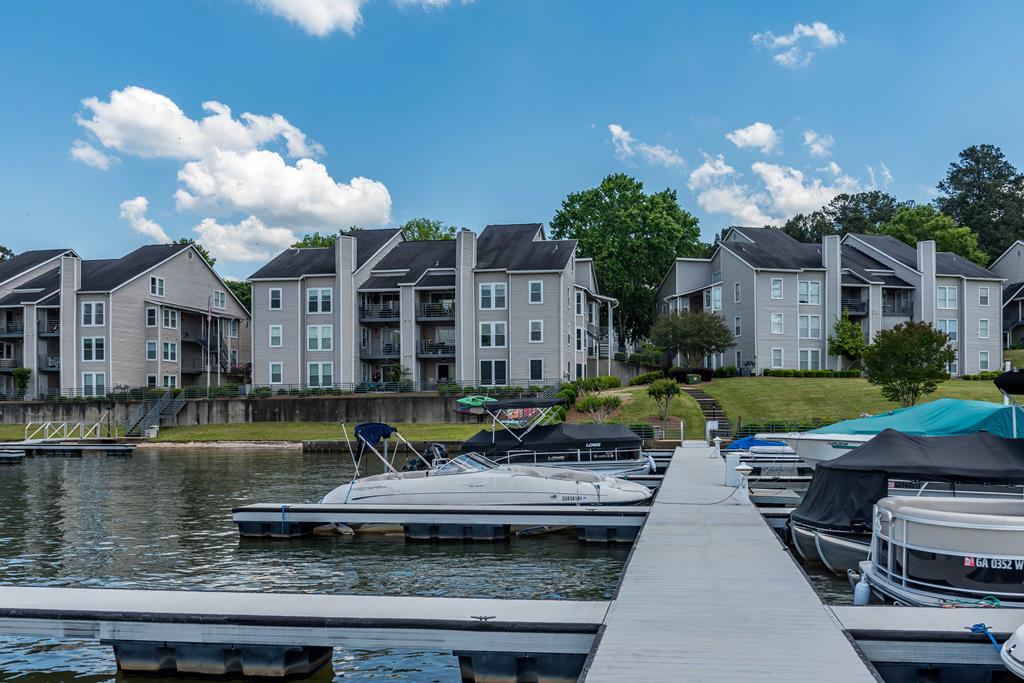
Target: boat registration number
<point>993,563</point>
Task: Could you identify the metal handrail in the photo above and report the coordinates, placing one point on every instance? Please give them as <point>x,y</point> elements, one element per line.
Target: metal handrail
<point>897,309</point>
<point>380,311</point>
<point>432,347</point>
<point>49,327</point>
<point>12,328</point>
<point>435,310</point>
<point>49,361</point>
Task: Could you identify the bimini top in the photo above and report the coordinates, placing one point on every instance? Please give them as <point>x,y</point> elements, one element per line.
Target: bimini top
<point>844,490</point>
<point>944,417</point>
<point>372,432</point>
<point>553,439</point>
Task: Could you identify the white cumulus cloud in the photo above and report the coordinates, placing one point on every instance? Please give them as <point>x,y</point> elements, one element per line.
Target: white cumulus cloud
<point>317,17</point>
<point>430,4</point>
<point>796,48</point>
<point>627,147</point>
<point>711,171</point>
<point>757,135</point>
<point>247,240</point>
<point>134,211</point>
<point>818,144</point>
<point>90,156</point>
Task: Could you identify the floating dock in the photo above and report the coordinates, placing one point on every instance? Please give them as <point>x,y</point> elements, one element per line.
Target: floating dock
<point>69,447</point>
<point>711,594</point>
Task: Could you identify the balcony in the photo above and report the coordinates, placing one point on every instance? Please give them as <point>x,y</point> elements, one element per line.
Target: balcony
<point>432,348</point>
<point>435,311</point>
<point>8,363</point>
<point>904,310</point>
<point>380,313</point>
<point>12,329</point>
<point>49,328</point>
<point>854,306</point>
<point>381,351</point>
<point>49,362</point>
<point>194,365</point>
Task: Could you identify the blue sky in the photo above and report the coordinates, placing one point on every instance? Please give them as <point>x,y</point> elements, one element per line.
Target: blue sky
<point>481,112</point>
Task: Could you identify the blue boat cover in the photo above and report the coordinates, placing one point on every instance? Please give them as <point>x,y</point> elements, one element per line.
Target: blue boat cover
<point>748,442</point>
<point>372,432</point>
<point>942,417</point>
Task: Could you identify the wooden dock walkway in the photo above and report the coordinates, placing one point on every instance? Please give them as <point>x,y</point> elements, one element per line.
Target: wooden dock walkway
<point>711,594</point>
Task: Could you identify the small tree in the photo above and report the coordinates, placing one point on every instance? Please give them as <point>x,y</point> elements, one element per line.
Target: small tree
<point>847,339</point>
<point>21,378</point>
<point>663,391</point>
<point>908,361</point>
<point>692,334</point>
<point>599,408</point>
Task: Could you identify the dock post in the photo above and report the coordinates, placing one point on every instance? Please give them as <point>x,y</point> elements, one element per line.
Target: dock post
<point>744,471</point>
<point>732,461</point>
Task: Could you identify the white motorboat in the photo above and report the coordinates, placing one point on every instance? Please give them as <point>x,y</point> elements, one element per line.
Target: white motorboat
<point>1012,652</point>
<point>813,448</point>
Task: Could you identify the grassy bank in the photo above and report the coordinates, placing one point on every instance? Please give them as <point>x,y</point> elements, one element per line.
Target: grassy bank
<point>308,431</point>
<point>639,407</point>
<point>795,398</point>
<point>12,432</point>
<point>1016,356</point>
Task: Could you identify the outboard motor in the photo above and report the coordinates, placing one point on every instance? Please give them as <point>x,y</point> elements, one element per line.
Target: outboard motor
<point>436,454</point>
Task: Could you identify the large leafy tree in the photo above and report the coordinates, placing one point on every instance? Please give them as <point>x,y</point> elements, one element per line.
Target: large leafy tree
<point>912,224</point>
<point>985,191</point>
<point>692,334</point>
<point>199,247</point>
<point>5,253</point>
<point>242,291</point>
<point>861,212</point>
<point>908,361</point>
<point>427,229</point>
<point>633,238</point>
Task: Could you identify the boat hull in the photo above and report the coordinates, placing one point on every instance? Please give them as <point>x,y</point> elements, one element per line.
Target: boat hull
<point>838,552</point>
<point>816,448</point>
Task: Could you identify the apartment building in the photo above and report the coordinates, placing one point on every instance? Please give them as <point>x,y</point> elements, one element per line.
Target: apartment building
<point>1010,266</point>
<point>158,316</point>
<point>781,297</point>
<point>502,307</point>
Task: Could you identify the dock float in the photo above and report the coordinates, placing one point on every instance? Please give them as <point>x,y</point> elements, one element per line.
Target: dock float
<point>619,523</point>
<point>68,447</point>
<point>292,634</point>
<point>710,594</point>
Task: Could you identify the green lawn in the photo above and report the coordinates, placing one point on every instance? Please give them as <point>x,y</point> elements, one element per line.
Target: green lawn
<point>1014,355</point>
<point>641,408</point>
<point>12,432</point>
<point>310,431</point>
<point>797,398</point>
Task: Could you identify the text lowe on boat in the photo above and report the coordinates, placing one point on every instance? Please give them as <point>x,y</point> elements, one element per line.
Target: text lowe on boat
<point>473,479</point>
<point>942,417</point>
<point>833,522</point>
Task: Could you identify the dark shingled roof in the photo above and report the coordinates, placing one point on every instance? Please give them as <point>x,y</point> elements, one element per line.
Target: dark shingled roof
<point>946,263</point>
<point>1012,291</point>
<point>416,256</point>
<point>894,248</point>
<point>381,282</point>
<point>774,249</point>
<point>292,263</point>
<point>27,260</point>
<point>369,242</point>
<point>48,281</point>
<point>437,280</point>
<point>105,275</point>
<point>514,247</point>
<point>893,281</point>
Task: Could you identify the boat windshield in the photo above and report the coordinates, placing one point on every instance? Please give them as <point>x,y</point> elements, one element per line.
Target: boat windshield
<point>467,462</point>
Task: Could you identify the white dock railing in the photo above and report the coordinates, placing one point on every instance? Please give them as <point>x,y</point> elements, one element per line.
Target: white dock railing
<point>55,431</point>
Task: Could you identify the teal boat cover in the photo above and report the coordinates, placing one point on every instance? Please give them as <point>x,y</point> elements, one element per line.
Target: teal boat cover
<point>943,417</point>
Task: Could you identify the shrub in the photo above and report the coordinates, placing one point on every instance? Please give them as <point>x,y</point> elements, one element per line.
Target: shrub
<point>678,374</point>
<point>599,408</point>
<point>609,382</point>
<point>568,394</point>
<point>646,378</point>
<point>706,374</point>
<point>727,371</point>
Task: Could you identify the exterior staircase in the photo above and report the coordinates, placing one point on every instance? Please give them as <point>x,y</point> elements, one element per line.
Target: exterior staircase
<point>711,410</point>
<point>151,412</point>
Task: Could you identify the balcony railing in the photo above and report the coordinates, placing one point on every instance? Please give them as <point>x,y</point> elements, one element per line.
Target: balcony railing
<point>11,329</point>
<point>49,362</point>
<point>49,328</point>
<point>905,310</point>
<point>854,306</point>
<point>388,350</point>
<point>435,311</point>
<point>433,347</point>
<point>7,363</point>
<point>379,312</point>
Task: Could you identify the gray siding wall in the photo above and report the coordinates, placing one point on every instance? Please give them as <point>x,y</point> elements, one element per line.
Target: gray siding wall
<point>70,280</point>
<point>521,312</point>
<point>491,315</point>
<point>788,308</point>
<point>734,272</point>
<point>465,308</point>
<point>1011,264</point>
<point>971,343</point>
<point>293,335</point>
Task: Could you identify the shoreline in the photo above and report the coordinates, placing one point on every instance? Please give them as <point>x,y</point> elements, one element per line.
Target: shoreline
<point>222,445</point>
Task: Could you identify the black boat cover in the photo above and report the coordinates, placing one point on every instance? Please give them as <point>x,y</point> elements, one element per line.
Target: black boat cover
<point>1011,382</point>
<point>843,491</point>
<point>513,403</point>
<point>553,438</point>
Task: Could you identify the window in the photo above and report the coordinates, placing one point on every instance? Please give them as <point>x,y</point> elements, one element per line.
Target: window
<point>170,381</point>
<point>737,326</point>
<point>776,287</point>
<point>151,381</point>
<point>954,367</point>
<point>950,327</point>
<point>171,352</point>
<point>810,359</point>
<point>581,371</point>
<point>319,337</point>
<point>946,297</point>
<point>151,321</point>
<point>276,336</point>
<point>94,383</point>
<point>777,323</point>
<point>220,299</point>
<point>579,339</point>
<point>579,303</point>
<point>536,331</point>
<point>170,319</point>
<point>92,314</point>
<point>776,358</point>
<point>716,298</point>
<point>736,291</point>
<point>364,337</point>
<point>93,348</point>
<point>156,286</point>
<point>492,296</point>
<point>810,327</point>
<point>275,373</point>
<point>810,292</point>
<point>983,296</point>
<point>151,349</point>
<point>707,299</point>
<point>536,291</point>
<point>232,329</point>
<point>320,375</point>
<point>319,300</point>
<point>983,329</point>
<point>739,356</point>
<point>536,369</point>
<point>493,373</point>
<point>275,299</point>
<point>492,335</point>
<point>983,360</point>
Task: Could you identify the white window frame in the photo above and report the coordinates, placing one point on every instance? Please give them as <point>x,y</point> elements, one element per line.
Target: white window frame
<point>579,339</point>
<point>986,325</point>
<point>811,353</point>
<point>270,299</point>
<point>781,284</point>
<point>96,311</point>
<point>170,382</point>
<point>169,352</point>
<point>984,296</point>
<point>816,289</point>
<point>365,336</point>
<point>93,376</point>
<point>529,290</point>
<point>154,346</point>
<point>323,343</point>
<point>319,365</point>
<point>220,299</point>
<point>151,381</point>
<point>707,299</point>
<point>157,286</point>
<point>270,336</point>
<point>529,369</point>
<point>737,326</point>
<point>493,363</point>
<point>492,332</point>
<point>983,361</point>
<point>156,317</point>
<point>943,324</point>
<point>316,295</point>
<point>280,372</point>
<point>738,359</point>
<point>782,358</point>
<point>96,358</point>
<point>737,292</point>
<point>943,302</point>
<point>232,329</point>
<point>579,303</point>
<point>492,290</point>
<point>782,323</point>
<point>799,327</point>
<point>529,329</point>
<point>170,319</point>
<point>716,298</point>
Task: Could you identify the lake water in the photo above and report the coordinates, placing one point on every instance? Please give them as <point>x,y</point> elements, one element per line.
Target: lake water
<point>162,519</point>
